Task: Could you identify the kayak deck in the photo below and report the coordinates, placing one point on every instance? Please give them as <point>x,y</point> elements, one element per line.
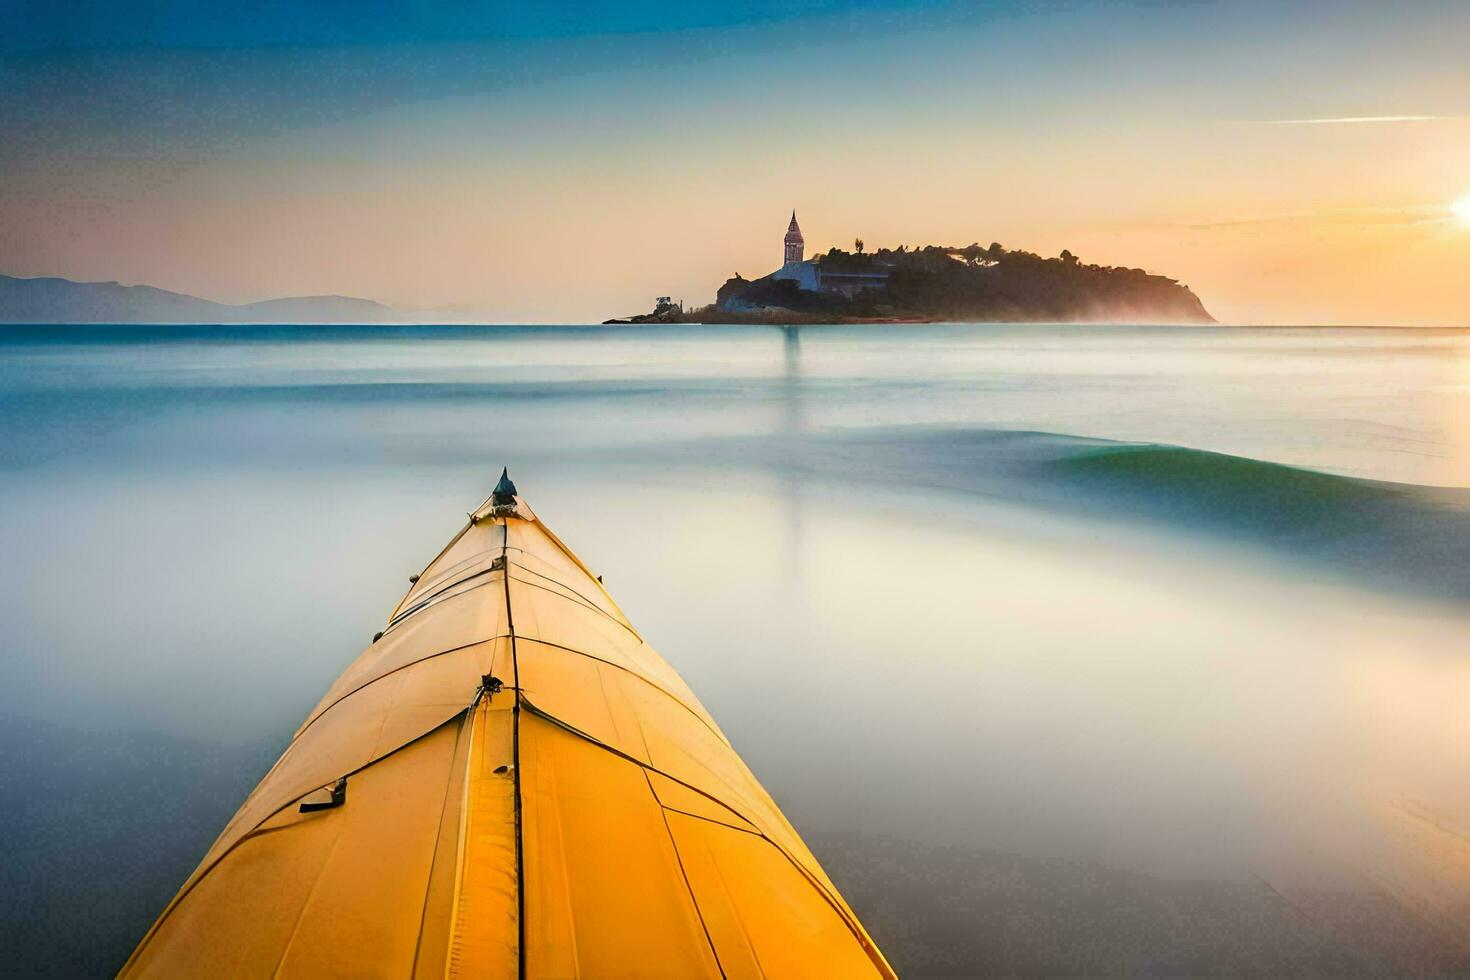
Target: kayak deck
<point>508,783</point>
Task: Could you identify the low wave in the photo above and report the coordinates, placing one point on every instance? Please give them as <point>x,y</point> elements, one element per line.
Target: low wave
<point>1270,497</point>
<point>1394,535</point>
<point>1406,536</point>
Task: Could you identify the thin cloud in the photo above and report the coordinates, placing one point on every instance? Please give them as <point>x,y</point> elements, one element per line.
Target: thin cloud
<point>1342,216</point>
<point>1342,120</point>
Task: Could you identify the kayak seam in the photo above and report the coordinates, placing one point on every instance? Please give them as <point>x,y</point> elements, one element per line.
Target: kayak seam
<point>418,945</point>
<point>442,552</point>
<point>573,729</point>
<point>313,719</point>
<point>430,599</point>
<point>584,603</point>
<point>628,670</point>
<point>848,919</point>
<point>679,859</point>
<point>515,751</point>
<point>316,883</point>
<point>438,596</point>
<point>751,830</point>
<point>422,586</point>
<point>585,598</point>
<point>392,627</point>
<point>591,575</point>
<point>439,585</point>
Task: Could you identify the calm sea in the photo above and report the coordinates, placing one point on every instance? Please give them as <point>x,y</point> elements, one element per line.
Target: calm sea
<point>1068,649</point>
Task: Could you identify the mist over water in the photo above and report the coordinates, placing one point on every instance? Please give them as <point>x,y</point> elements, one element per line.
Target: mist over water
<point>1068,649</point>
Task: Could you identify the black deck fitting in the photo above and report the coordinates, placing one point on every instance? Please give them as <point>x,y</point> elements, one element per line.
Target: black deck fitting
<point>338,796</point>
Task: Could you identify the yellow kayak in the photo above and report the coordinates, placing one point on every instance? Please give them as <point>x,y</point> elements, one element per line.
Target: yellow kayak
<point>509,782</point>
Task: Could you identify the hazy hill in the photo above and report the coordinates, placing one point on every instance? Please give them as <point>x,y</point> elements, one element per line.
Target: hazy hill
<point>64,301</point>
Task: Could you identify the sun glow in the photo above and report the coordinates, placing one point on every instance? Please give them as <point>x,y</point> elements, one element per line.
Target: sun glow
<point>1461,209</point>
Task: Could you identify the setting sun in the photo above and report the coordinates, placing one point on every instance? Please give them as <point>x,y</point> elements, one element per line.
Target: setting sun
<point>1461,209</point>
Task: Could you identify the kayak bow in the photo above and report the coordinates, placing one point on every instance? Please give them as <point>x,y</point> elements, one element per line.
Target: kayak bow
<point>508,782</point>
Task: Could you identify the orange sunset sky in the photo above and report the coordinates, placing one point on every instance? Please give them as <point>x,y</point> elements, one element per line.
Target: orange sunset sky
<point>1292,163</point>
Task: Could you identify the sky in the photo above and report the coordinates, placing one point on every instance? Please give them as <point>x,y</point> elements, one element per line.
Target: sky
<point>569,161</point>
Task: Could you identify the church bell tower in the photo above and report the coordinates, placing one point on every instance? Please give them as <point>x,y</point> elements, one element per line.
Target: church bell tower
<point>795,244</point>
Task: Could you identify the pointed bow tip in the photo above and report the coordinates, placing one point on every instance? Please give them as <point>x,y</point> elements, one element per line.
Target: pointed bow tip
<point>505,490</point>
<point>504,499</point>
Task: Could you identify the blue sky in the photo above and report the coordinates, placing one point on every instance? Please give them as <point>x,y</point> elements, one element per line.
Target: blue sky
<point>100,24</point>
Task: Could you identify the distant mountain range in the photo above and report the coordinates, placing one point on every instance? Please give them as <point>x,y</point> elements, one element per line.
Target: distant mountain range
<point>52,300</point>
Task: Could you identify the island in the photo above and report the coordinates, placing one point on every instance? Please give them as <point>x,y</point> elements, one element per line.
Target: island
<point>973,283</point>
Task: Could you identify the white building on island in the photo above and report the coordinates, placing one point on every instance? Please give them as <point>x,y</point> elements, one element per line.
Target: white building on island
<point>810,274</point>
<point>843,275</point>
<point>794,244</point>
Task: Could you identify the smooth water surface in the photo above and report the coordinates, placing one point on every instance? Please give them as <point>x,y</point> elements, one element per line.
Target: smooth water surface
<point>1068,649</point>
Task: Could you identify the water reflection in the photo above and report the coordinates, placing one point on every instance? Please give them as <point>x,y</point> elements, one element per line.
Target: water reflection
<point>792,426</point>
